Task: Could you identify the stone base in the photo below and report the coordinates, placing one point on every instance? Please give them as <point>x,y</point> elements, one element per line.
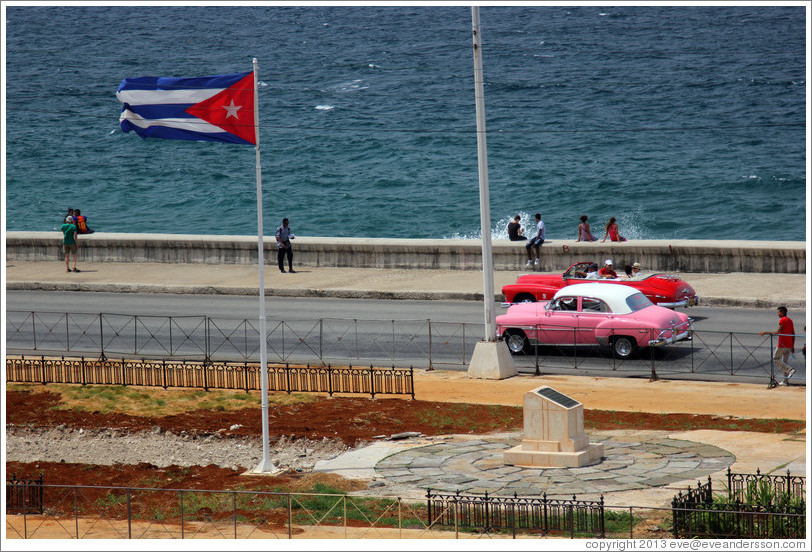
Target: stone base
<point>491,360</point>
<point>520,456</point>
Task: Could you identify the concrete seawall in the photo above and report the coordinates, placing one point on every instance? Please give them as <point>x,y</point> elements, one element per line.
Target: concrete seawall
<point>701,256</point>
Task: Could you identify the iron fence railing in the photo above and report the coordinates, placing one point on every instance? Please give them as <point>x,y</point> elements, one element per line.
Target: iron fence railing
<point>211,375</point>
<point>738,484</point>
<point>91,512</point>
<point>23,495</point>
<point>487,513</point>
<point>757,506</point>
<point>426,343</point>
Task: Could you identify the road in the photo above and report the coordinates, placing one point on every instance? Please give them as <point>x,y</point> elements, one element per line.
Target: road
<point>358,331</point>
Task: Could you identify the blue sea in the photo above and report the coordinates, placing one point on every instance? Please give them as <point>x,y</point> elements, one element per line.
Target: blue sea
<point>681,121</point>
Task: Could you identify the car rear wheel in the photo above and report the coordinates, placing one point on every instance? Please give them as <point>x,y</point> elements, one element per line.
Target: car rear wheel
<point>623,346</point>
<point>517,342</point>
<point>524,298</point>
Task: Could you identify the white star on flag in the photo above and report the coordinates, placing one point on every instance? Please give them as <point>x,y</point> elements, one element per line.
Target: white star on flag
<point>232,110</point>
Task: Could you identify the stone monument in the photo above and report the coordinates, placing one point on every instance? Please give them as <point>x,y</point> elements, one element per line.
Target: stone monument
<point>553,433</point>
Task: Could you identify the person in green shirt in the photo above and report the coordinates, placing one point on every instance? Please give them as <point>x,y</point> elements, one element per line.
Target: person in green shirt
<point>70,243</point>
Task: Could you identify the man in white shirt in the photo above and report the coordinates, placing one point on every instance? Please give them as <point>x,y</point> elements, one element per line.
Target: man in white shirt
<point>536,241</point>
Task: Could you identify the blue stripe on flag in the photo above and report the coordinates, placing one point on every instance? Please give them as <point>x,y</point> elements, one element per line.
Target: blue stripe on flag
<point>180,134</point>
<point>173,83</point>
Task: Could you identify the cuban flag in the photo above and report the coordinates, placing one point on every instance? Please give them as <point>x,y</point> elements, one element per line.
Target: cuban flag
<point>219,108</point>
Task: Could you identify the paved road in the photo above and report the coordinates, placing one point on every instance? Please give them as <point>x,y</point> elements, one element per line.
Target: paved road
<point>416,333</point>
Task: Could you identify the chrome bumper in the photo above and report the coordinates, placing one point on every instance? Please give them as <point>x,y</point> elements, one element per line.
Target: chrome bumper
<point>668,340</point>
<point>692,302</point>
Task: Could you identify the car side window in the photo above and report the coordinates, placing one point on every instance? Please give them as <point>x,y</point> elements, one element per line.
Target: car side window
<point>565,304</point>
<point>590,304</point>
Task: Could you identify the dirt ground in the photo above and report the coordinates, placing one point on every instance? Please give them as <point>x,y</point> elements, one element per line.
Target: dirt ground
<point>350,419</point>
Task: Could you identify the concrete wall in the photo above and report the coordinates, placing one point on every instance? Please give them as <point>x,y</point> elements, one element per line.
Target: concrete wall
<point>706,256</point>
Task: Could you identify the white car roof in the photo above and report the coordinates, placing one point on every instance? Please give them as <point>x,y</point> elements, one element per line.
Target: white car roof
<point>614,295</point>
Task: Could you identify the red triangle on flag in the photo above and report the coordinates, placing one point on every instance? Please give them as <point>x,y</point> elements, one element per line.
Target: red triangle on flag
<point>232,109</point>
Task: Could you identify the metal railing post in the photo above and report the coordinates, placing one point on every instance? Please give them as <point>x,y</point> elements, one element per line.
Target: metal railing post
<point>431,367</point>
<point>75,512</point>
<point>290,516</point>
<point>129,516</point>
<point>731,353</point>
<point>181,515</point>
<point>456,518</point>
<point>34,329</point>
<point>321,340</point>
<point>536,354</point>
<point>102,357</point>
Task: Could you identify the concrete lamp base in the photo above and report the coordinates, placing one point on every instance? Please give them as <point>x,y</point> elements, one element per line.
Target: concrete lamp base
<point>491,360</point>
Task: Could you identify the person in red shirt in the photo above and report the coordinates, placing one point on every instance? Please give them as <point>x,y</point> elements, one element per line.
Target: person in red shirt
<point>785,345</point>
<point>607,271</point>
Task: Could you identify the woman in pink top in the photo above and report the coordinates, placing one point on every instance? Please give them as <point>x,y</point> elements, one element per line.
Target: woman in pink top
<point>584,234</point>
<point>613,232</point>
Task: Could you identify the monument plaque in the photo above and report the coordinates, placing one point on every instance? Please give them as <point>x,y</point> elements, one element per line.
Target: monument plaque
<point>553,433</point>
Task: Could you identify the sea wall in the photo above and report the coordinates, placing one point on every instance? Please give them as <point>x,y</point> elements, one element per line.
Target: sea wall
<point>707,256</point>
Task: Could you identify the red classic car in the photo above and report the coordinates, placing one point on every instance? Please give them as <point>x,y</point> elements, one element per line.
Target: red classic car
<point>665,290</point>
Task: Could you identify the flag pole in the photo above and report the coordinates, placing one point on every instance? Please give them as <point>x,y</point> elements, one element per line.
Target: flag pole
<point>265,464</point>
<point>491,358</point>
<point>484,199</point>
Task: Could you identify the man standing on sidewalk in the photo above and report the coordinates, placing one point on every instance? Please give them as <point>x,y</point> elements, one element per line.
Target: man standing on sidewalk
<point>785,345</point>
<point>69,242</point>
<point>283,237</point>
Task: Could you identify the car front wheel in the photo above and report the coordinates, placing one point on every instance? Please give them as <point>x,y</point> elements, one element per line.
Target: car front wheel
<point>623,346</point>
<point>524,298</point>
<point>517,342</point>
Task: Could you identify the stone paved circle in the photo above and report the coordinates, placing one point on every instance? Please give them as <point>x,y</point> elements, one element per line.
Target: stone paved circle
<point>476,466</point>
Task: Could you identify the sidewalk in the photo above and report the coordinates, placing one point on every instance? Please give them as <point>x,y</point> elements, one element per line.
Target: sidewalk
<point>736,289</point>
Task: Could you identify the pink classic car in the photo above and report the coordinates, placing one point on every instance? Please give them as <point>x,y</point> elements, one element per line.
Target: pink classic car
<point>619,317</point>
<point>666,290</point>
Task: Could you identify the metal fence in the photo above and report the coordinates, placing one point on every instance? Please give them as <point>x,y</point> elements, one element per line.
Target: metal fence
<point>581,518</point>
<point>23,496</point>
<point>85,512</point>
<point>221,375</point>
<point>780,512</point>
<point>423,343</point>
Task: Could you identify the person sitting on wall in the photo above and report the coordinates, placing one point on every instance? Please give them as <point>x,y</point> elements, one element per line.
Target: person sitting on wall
<point>81,223</point>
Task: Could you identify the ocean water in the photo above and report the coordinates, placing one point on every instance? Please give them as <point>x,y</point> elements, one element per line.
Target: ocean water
<point>682,122</point>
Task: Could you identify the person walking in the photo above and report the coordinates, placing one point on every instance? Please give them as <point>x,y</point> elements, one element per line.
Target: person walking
<point>70,243</point>
<point>536,241</point>
<point>283,236</point>
<point>785,345</point>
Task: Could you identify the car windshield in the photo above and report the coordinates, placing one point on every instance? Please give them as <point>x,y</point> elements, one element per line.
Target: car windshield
<point>638,301</point>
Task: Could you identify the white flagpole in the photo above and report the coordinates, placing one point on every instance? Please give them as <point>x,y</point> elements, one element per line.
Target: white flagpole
<point>265,465</point>
<point>484,198</point>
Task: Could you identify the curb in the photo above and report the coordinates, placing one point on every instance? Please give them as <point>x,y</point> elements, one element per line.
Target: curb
<point>336,293</point>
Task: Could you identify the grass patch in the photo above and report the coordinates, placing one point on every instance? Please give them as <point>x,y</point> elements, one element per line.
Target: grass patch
<point>152,401</point>
<point>479,418</point>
